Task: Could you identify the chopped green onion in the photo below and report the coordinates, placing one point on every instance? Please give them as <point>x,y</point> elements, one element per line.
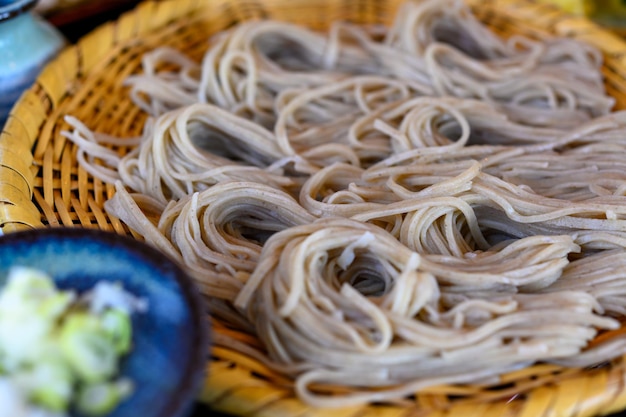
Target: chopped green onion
<point>88,348</point>
<point>117,325</point>
<point>102,397</point>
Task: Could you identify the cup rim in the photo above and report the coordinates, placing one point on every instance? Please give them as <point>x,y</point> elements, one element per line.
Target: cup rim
<point>15,8</point>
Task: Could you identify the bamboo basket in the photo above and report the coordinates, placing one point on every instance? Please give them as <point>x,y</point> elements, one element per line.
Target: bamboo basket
<point>41,184</point>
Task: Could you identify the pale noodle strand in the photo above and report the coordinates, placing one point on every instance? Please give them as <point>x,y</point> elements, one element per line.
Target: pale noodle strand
<point>307,283</point>
<point>465,59</point>
<point>156,91</point>
<point>225,226</point>
<point>176,159</point>
<point>373,211</point>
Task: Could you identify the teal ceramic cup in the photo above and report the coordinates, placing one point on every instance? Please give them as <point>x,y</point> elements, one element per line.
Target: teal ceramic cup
<point>27,43</point>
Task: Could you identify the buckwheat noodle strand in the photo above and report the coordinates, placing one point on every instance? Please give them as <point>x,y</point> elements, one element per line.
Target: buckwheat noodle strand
<point>373,211</point>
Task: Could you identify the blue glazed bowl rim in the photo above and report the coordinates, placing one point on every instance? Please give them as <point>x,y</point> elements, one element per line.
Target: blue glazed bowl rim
<point>182,399</point>
<point>15,8</point>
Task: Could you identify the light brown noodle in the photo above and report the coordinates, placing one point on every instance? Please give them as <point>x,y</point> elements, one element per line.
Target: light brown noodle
<point>384,209</point>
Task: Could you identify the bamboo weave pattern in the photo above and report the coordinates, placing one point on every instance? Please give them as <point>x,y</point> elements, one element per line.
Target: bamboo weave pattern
<point>41,184</point>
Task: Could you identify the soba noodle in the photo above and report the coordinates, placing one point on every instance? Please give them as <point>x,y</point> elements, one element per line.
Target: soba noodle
<point>384,210</point>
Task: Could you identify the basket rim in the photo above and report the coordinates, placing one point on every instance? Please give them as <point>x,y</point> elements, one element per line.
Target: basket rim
<point>38,106</point>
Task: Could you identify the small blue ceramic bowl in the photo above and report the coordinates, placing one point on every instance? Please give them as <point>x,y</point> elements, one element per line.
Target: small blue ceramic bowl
<point>27,43</point>
<point>170,340</point>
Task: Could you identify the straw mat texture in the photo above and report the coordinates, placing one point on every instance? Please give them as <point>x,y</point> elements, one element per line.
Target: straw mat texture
<point>41,185</point>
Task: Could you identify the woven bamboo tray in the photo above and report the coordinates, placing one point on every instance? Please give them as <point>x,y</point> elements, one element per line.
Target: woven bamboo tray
<point>41,184</point>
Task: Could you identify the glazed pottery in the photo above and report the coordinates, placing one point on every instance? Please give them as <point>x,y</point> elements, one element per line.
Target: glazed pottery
<point>170,340</point>
<point>27,43</point>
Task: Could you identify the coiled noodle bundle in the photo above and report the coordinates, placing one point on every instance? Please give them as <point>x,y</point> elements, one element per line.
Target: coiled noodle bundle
<point>372,211</point>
